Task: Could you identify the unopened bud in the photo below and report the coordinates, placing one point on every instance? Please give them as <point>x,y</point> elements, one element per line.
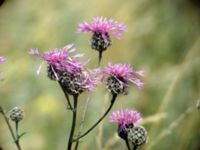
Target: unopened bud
<point>16,114</point>
<point>137,135</point>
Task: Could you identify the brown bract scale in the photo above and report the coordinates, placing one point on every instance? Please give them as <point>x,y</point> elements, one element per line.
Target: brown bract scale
<point>100,42</point>
<point>117,85</point>
<point>52,73</point>
<point>137,135</point>
<point>72,83</point>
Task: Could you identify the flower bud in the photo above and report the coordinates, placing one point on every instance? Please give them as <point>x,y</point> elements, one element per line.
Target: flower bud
<point>16,114</point>
<point>137,135</point>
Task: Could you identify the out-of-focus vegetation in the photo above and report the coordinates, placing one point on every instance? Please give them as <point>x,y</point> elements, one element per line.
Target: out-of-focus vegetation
<point>163,39</point>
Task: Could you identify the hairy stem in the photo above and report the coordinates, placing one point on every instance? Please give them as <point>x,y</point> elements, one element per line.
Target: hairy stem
<point>73,122</point>
<point>104,115</point>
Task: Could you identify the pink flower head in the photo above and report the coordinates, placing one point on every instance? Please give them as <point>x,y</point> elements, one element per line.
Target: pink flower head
<point>2,59</point>
<point>124,72</point>
<point>53,57</point>
<point>125,117</point>
<point>60,59</point>
<point>103,25</point>
<point>91,79</point>
<point>78,82</point>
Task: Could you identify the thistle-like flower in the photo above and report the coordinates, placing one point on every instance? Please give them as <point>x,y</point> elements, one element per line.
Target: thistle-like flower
<point>59,60</point>
<point>101,28</point>
<point>119,75</point>
<point>68,71</point>
<point>126,119</point>
<point>80,81</point>
<point>2,59</point>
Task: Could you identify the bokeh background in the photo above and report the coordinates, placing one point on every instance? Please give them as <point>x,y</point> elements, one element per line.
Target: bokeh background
<point>163,39</point>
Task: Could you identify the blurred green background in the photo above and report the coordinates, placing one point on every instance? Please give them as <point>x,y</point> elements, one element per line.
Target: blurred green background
<point>163,39</point>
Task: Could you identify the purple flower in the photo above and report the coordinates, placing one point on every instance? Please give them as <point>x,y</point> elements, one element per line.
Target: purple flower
<point>118,76</point>
<point>60,60</point>
<point>80,81</point>
<point>101,29</point>
<point>103,25</point>
<point>68,71</point>
<point>91,79</point>
<point>2,59</point>
<point>125,118</point>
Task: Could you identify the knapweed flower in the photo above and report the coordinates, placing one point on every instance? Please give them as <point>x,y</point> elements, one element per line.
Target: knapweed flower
<point>2,59</point>
<point>80,81</point>
<point>68,71</point>
<point>126,119</point>
<point>118,75</point>
<point>59,60</point>
<point>101,29</point>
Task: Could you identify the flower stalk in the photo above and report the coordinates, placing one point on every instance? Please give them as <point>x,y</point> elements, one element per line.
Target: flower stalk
<point>100,57</point>
<point>127,144</point>
<point>17,134</point>
<point>135,147</point>
<point>16,137</point>
<point>73,122</point>
<point>104,115</point>
<point>69,105</point>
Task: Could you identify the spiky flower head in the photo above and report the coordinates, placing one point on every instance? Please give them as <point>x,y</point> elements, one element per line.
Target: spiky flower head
<point>126,119</point>
<point>101,29</point>
<point>119,75</point>
<point>137,135</point>
<point>103,25</point>
<point>68,71</point>
<point>76,83</point>
<point>59,60</point>
<point>2,59</point>
<point>16,114</point>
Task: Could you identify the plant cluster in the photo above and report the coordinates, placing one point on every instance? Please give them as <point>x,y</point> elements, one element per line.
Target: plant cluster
<point>74,78</point>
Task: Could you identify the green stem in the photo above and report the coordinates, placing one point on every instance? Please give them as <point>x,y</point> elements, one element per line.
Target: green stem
<point>76,146</point>
<point>17,135</point>
<point>100,57</point>
<point>104,115</point>
<point>69,105</point>
<point>73,122</point>
<point>127,144</point>
<point>15,139</point>
<point>135,147</point>
<point>82,121</point>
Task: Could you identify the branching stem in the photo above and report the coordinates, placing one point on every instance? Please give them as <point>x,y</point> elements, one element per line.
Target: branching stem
<point>104,115</point>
